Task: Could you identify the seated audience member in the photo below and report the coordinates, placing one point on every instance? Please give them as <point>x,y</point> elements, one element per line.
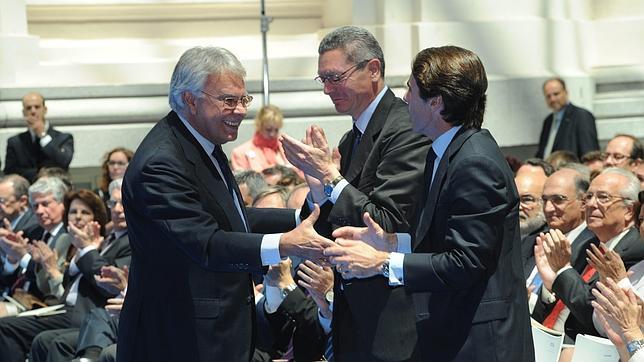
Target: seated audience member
<point>623,151</point>
<point>30,281</point>
<point>271,197</point>
<point>563,208</point>
<point>609,207</point>
<point>640,219</point>
<point>59,173</point>
<point>529,183</point>
<point>533,165</point>
<point>639,173</point>
<point>250,183</point>
<point>297,196</point>
<point>114,164</point>
<point>40,146</point>
<point>98,330</point>
<point>14,207</point>
<point>264,149</point>
<point>561,158</point>
<point>283,176</point>
<point>594,161</point>
<point>81,291</point>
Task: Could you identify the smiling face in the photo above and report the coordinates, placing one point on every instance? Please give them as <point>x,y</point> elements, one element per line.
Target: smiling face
<point>209,115</point>
<point>563,207</point>
<point>79,214</point>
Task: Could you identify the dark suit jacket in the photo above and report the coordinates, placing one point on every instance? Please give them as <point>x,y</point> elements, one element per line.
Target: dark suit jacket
<point>190,296</point>
<point>466,272</point>
<point>576,294</point>
<point>577,132</point>
<point>527,249</point>
<point>372,321</point>
<point>25,157</point>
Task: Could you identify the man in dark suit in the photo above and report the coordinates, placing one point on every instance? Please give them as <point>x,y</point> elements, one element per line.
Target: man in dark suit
<point>609,213</point>
<point>465,273</point>
<point>381,167</point>
<point>190,295</point>
<point>40,146</point>
<point>568,127</point>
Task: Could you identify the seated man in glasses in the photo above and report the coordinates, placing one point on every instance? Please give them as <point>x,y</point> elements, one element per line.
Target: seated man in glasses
<point>609,214</point>
<point>623,151</point>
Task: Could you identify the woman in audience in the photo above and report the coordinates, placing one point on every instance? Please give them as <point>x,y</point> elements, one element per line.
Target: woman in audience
<point>114,164</point>
<point>85,220</point>
<point>264,149</point>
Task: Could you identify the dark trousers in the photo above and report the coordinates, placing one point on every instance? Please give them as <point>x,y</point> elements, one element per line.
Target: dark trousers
<point>17,333</point>
<point>57,345</point>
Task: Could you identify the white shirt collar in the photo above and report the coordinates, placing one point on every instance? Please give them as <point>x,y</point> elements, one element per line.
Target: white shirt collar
<point>205,144</point>
<point>34,135</point>
<point>441,143</point>
<point>574,233</point>
<point>612,243</point>
<point>363,121</point>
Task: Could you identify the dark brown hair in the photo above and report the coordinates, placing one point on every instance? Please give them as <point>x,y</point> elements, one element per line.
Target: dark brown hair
<point>92,201</point>
<point>104,183</point>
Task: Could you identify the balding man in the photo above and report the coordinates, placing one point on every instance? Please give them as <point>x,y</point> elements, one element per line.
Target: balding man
<point>40,146</point>
<point>623,151</point>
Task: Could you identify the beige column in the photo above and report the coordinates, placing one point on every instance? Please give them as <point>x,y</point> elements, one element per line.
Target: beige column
<point>18,50</point>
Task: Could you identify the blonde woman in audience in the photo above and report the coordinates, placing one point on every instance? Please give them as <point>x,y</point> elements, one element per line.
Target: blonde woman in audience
<point>264,149</point>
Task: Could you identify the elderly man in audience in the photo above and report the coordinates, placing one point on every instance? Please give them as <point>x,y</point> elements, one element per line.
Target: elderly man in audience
<point>61,344</point>
<point>529,181</point>
<point>563,207</point>
<point>250,183</point>
<point>30,279</point>
<point>623,151</point>
<point>610,216</point>
<point>272,197</point>
<point>41,145</point>
<point>14,206</point>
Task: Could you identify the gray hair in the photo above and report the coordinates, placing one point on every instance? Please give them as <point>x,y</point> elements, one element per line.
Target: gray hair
<point>632,188</point>
<point>194,67</point>
<point>19,183</point>
<point>253,179</point>
<point>116,184</point>
<point>582,180</point>
<point>48,185</point>
<point>358,45</point>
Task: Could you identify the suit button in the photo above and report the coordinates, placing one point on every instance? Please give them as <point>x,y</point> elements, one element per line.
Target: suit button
<point>249,299</point>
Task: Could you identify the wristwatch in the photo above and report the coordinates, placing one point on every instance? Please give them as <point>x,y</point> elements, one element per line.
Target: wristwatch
<point>385,268</point>
<point>289,288</point>
<point>634,346</point>
<point>328,187</point>
<point>329,298</point>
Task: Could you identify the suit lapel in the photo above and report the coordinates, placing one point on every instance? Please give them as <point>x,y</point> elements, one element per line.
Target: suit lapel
<point>437,184</point>
<point>371,134</point>
<point>206,172</point>
<point>562,132</point>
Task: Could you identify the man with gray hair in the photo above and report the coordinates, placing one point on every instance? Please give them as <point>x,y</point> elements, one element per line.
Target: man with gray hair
<point>251,183</point>
<point>14,205</point>
<point>194,244</point>
<point>381,168</point>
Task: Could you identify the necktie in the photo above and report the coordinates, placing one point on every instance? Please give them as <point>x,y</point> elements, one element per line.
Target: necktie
<point>357,137</point>
<point>222,160</point>
<point>429,172</point>
<point>551,319</point>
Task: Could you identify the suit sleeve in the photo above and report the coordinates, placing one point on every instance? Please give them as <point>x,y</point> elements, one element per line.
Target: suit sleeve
<point>165,194</point>
<point>587,132</point>
<point>397,178</point>
<point>60,149</point>
<point>477,195</point>
<point>11,166</point>
<point>576,295</point>
<point>90,265</point>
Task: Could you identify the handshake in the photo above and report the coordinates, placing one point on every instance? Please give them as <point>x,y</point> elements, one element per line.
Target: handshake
<point>358,252</point>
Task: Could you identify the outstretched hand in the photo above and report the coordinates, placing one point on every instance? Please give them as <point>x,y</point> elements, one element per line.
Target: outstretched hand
<point>304,241</point>
<point>372,235</point>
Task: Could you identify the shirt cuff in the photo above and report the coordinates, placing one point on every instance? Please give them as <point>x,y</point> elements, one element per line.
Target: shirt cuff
<point>311,203</point>
<point>396,275</point>
<point>297,217</point>
<point>563,270</point>
<point>9,268</point>
<point>337,190</point>
<point>270,249</point>
<point>86,250</point>
<point>273,298</point>
<point>625,284</point>
<point>325,323</point>
<point>404,243</point>
<point>44,141</point>
<point>547,296</point>
<point>24,262</point>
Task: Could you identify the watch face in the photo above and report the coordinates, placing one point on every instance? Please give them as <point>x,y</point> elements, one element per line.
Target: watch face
<point>329,296</point>
<point>328,189</point>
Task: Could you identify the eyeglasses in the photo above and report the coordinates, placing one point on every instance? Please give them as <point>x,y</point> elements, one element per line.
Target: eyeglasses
<point>603,198</point>
<point>117,163</point>
<point>619,157</point>
<point>528,200</point>
<point>231,102</point>
<point>337,79</point>
<point>112,203</point>
<point>7,201</point>
<point>555,199</point>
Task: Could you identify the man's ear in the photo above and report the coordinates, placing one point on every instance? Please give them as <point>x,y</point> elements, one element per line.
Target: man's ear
<point>374,69</point>
<point>436,101</point>
<point>190,101</point>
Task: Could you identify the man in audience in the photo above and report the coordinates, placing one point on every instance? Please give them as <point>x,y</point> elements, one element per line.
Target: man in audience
<point>381,169</point>
<point>529,182</point>
<point>250,183</point>
<point>40,146</point>
<point>60,345</point>
<point>610,216</point>
<point>14,206</point>
<point>568,127</point>
<point>623,151</point>
<point>593,160</point>
<point>271,197</point>
<point>563,207</point>
<point>46,197</point>
<point>533,165</point>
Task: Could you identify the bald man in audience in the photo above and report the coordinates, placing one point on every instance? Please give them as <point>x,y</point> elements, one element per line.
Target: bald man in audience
<point>623,151</point>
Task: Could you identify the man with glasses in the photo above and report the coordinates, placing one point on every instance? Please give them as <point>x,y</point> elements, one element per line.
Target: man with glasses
<point>41,145</point>
<point>623,151</point>
<point>194,244</point>
<point>609,213</point>
<point>381,169</point>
